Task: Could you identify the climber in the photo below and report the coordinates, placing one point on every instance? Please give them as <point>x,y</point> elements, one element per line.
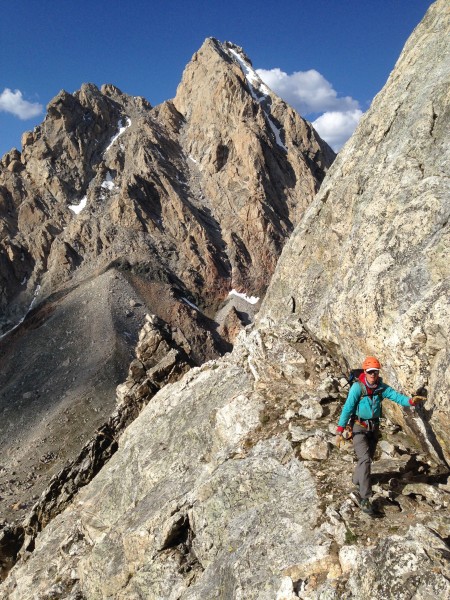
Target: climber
<point>361,415</point>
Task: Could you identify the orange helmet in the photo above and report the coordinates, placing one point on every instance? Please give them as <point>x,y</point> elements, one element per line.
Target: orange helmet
<point>370,362</point>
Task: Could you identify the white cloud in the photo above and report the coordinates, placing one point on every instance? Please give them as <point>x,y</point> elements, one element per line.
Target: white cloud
<point>336,127</point>
<point>309,92</point>
<point>13,102</point>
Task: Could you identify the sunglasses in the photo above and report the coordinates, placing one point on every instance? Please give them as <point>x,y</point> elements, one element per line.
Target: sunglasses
<point>372,372</point>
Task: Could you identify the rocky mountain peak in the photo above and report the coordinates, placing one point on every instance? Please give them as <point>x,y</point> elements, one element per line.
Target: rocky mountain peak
<point>115,210</point>
<point>237,130</point>
<point>204,151</point>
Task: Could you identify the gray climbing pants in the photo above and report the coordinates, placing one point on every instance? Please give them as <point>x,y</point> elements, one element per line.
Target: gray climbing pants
<point>364,443</point>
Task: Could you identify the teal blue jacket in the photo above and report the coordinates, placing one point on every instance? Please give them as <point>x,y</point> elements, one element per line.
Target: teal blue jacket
<point>368,407</point>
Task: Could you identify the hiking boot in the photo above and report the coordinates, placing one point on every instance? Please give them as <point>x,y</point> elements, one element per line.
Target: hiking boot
<point>366,506</point>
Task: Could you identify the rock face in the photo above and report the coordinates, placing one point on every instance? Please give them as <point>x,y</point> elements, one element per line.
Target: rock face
<point>114,210</point>
<point>228,484</point>
<point>238,143</point>
<point>222,488</point>
<point>368,269</point>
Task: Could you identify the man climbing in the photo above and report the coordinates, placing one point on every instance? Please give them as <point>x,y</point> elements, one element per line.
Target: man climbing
<point>362,412</point>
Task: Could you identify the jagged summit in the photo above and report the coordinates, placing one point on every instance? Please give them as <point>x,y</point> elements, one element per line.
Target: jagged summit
<point>226,48</point>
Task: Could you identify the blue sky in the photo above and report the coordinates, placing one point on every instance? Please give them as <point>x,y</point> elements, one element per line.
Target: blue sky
<point>322,56</point>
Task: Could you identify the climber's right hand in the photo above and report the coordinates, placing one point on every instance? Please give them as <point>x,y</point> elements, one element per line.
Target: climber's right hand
<point>415,400</point>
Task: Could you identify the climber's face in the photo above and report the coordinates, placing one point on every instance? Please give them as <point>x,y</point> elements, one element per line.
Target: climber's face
<point>372,375</point>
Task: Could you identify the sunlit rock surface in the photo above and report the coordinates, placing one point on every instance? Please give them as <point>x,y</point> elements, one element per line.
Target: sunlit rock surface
<point>368,269</point>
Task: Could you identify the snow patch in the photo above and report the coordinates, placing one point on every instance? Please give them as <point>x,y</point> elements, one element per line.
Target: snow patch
<point>255,83</point>
<point>252,77</point>
<point>186,301</point>
<point>35,295</point>
<point>109,184</point>
<point>276,133</point>
<point>77,208</point>
<point>122,126</point>
<point>249,299</point>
